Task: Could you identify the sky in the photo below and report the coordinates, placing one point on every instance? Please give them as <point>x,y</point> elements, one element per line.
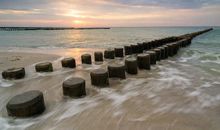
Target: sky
<point>109,13</point>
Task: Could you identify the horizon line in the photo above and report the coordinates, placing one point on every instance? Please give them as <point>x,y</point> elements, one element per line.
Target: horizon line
<point>108,26</point>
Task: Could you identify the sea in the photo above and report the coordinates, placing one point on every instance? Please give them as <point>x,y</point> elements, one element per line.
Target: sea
<point>180,93</point>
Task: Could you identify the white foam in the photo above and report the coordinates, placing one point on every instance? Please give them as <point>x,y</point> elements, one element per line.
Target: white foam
<point>206,85</point>
<point>174,76</point>
<point>6,84</point>
<point>194,93</point>
<point>11,124</point>
<point>74,107</point>
<point>213,69</point>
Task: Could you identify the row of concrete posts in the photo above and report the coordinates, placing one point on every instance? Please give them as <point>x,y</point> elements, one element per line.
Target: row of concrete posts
<point>138,56</point>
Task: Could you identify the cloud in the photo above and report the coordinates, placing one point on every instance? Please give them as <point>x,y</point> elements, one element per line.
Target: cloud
<point>109,12</point>
<point>181,4</point>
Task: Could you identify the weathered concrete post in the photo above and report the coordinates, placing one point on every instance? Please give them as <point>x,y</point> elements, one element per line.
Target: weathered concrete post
<point>175,48</point>
<point>13,73</point>
<point>116,71</point>
<point>119,52</point>
<point>27,104</point>
<point>143,61</point>
<point>140,47</point>
<point>98,56</point>
<point>74,87</point>
<point>134,49</point>
<point>146,46</point>
<point>170,49</point>
<point>86,59</point>
<point>131,65</point>
<point>99,77</point>
<point>109,54</point>
<point>128,50</point>
<point>68,62</point>
<point>162,50</point>
<point>166,51</point>
<point>158,53</point>
<point>44,67</point>
<point>153,57</point>
<point>150,45</point>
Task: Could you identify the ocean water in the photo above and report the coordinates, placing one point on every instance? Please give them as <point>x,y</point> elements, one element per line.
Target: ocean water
<point>113,37</point>
<point>180,93</point>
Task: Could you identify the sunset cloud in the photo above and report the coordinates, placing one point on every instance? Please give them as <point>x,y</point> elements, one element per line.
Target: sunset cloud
<point>109,12</point>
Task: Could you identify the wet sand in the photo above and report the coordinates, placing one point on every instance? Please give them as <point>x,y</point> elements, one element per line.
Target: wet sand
<point>168,97</point>
<point>19,59</point>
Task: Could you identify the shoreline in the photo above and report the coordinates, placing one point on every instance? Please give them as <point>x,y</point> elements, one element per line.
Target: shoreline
<point>22,59</point>
<point>26,56</point>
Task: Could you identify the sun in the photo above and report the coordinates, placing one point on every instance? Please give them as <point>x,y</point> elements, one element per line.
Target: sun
<point>78,22</point>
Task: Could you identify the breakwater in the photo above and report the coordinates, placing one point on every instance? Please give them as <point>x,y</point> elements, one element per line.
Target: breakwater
<point>45,28</point>
<point>173,44</point>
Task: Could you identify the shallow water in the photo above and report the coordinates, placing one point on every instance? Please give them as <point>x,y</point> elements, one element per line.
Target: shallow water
<point>181,93</point>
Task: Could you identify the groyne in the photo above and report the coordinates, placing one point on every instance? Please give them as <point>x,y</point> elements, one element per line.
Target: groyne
<point>45,28</point>
<point>141,56</point>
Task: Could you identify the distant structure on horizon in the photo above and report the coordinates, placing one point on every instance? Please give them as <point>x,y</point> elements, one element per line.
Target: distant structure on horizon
<point>46,28</point>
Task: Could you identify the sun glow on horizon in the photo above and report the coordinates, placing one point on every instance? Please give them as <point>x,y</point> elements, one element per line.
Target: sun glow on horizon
<point>78,23</point>
<point>108,13</point>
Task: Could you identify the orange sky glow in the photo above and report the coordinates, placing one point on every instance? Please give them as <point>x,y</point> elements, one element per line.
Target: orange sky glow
<point>103,13</point>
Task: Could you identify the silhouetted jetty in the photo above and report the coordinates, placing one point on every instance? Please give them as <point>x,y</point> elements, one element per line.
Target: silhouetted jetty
<point>46,28</point>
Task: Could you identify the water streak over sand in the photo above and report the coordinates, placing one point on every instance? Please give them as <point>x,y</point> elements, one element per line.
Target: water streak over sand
<point>169,96</point>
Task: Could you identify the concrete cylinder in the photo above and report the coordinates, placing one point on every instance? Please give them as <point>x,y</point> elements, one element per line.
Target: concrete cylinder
<point>86,59</point>
<point>128,50</point>
<point>116,71</point>
<point>44,67</point>
<point>170,49</point>
<point>109,54</point>
<point>13,73</point>
<point>74,87</point>
<point>135,49</point>
<point>166,51</point>
<point>175,48</point>
<point>146,46</point>
<point>98,56</point>
<point>99,78</point>
<point>162,50</point>
<point>153,57</point>
<point>28,104</point>
<point>119,52</point>
<point>158,54</point>
<point>68,62</point>
<point>143,61</point>
<point>150,45</point>
<point>140,47</point>
<point>131,65</point>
